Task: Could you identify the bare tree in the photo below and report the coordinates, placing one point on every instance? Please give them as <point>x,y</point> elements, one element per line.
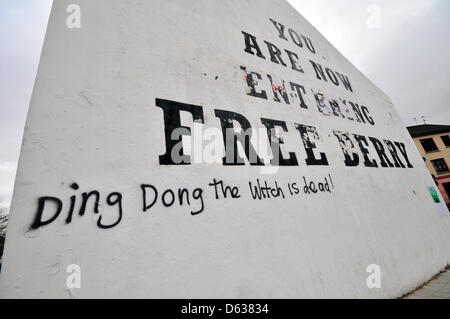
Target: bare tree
<point>3,223</point>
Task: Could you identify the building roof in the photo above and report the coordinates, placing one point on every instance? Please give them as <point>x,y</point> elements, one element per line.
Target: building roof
<point>427,129</point>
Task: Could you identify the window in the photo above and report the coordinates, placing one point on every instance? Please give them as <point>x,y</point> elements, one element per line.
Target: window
<point>446,140</point>
<point>440,165</point>
<point>429,145</point>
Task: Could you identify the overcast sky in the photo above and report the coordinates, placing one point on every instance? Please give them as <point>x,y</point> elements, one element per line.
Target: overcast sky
<point>401,45</point>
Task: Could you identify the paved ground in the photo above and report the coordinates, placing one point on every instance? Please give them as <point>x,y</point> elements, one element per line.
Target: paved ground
<point>437,288</point>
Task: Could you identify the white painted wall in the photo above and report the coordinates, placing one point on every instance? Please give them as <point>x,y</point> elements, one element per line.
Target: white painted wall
<point>93,121</point>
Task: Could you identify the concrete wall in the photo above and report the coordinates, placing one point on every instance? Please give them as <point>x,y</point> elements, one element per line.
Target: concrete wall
<point>94,124</point>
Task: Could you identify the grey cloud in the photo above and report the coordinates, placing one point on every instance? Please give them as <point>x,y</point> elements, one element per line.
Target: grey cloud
<point>407,57</point>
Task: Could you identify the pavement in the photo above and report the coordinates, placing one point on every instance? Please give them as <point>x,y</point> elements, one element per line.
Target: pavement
<point>436,288</point>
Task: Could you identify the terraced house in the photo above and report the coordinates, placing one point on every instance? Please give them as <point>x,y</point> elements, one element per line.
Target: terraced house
<point>433,142</point>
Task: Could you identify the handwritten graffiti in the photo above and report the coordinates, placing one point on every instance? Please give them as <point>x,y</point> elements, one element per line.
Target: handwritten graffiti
<point>169,197</point>
<point>155,199</point>
<point>45,204</point>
